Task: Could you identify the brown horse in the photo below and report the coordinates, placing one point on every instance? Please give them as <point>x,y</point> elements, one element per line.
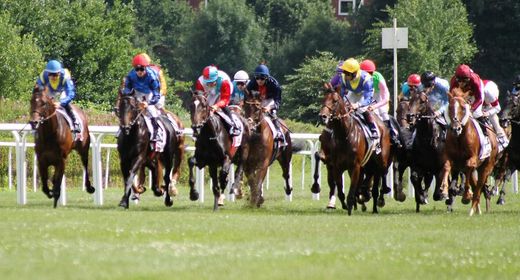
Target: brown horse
<point>349,150</point>
<point>403,155</point>
<point>263,150</point>
<point>462,150</point>
<point>54,141</point>
<point>133,145</point>
<point>213,147</point>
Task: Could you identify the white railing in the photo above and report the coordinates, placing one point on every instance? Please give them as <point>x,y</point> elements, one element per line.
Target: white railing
<point>97,133</point>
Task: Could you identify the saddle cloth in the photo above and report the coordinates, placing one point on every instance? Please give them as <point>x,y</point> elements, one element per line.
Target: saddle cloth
<point>373,144</point>
<point>62,112</point>
<point>234,122</point>
<point>176,127</point>
<point>161,134</point>
<point>485,145</point>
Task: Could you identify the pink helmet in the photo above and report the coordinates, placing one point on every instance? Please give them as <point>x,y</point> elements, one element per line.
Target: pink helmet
<point>368,65</point>
<point>463,71</point>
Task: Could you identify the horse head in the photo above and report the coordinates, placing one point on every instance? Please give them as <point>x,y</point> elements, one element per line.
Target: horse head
<point>199,112</point>
<point>458,110</point>
<point>333,105</point>
<point>128,112</point>
<point>253,107</point>
<point>42,106</point>
<point>418,108</point>
<point>511,110</point>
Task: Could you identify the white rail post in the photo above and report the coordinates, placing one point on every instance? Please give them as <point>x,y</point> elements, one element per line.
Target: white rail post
<point>21,190</point>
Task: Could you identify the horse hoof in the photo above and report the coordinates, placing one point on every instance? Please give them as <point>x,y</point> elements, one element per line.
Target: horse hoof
<point>315,188</point>
<point>157,192</point>
<point>260,202</point>
<point>386,190</point>
<point>381,203</point>
<point>90,189</point>
<point>172,191</point>
<point>168,202</point>
<point>437,196</point>
<point>465,200</point>
<point>363,208</point>
<point>330,207</point>
<point>501,201</point>
<point>194,195</point>
<point>123,204</point>
<point>136,196</point>
<point>401,197</point>
<point>221,200</point>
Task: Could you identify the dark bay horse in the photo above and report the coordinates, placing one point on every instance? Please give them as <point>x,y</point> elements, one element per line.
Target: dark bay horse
<point>213,148</point>
<point>462,149</point>
<point>510,161</point>
<point>54,141</point>
<point>263,150</point>
<point>347,149</point>
<point>135,152</point>
<point>403,155</point>
<point>427,144</point>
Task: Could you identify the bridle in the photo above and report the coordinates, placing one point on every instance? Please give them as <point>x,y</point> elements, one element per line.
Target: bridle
<point>42,113</point>
<point>134,108</point>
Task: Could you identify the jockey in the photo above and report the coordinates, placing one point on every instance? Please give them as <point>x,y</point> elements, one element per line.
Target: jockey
<point>491,108</point>
<point>466,79</point>
<point>358,85</point>
<point>437,90</point>
<point>411,86</point>
<point>59,84</point>
<point>271,93</point>
<point>336,80</point>
<point>162,82</point>
<point>516,86</point>
<point>144,83</point>
<point>216,85</point>
<point>381,96</point>
<point>240,80</point>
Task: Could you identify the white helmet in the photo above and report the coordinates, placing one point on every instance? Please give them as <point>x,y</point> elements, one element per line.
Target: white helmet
<point>241,76</point>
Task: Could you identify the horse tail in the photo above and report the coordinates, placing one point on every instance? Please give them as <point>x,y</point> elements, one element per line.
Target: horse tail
<point>297,145</point>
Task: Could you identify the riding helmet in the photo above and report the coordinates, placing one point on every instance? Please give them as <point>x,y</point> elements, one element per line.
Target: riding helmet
<point>53,66</point>
<point>428,78</point>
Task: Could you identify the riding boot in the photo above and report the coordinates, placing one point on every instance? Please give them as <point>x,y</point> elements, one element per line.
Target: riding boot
<point>155,133</point>
<point>393,137</point>
<point>370,121</point>
<point>483,121</point>
<point>233,128</point>
<point>279,133</point>
<point>75,123</point>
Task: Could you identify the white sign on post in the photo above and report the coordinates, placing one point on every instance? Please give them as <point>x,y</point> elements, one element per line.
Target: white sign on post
<point>387,41</point>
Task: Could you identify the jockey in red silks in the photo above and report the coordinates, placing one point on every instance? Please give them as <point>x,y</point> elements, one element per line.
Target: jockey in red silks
<point>491,108</point>
<point>216,85</point>
<point>466,79</point>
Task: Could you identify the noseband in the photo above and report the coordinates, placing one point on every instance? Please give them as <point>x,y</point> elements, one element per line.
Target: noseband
<point>127,127</point>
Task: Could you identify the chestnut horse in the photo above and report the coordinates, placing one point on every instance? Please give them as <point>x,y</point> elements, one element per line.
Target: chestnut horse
<point>346,149</point>
<point>213,148</point>
<point>135,153</point>
<point>54,141</point>
<point>462,149</point>
<point>263,150</point>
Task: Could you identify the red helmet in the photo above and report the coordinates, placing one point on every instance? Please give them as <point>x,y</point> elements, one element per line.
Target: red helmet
<point>414,80</point>
<point>141,60</point>
<point>368,65</point>
<point>463,71</point>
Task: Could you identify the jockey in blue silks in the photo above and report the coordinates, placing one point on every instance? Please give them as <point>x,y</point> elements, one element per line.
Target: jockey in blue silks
<point>143,82</point>
<point>59,84</point>
<point>359,89</point>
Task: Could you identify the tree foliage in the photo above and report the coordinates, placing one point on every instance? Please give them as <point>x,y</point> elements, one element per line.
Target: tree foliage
<point>225,34</point>
<point>302,94</point>
<point>439,37</point>
<point>20,60</point>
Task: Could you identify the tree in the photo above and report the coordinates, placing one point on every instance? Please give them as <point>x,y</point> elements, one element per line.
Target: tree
<point>225,34</point>
<point>20,61</point>
<point>439,37</point>
<point>302,93</point>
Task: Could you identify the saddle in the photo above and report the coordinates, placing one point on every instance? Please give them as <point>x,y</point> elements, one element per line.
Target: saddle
<point>374,145</point>
<point>77,136</point>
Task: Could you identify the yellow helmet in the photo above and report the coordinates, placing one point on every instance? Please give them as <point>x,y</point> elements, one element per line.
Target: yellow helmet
<point>350,65</point>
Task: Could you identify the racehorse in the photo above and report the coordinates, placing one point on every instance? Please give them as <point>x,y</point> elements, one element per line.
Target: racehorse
<point>462,149</point>
<point>54,141</point>
<point>263,149</point>
<point>427,144</point>
<point>348,149</point>
<point>510,162</point>
<point>135,151</point>
<point>214,148</point>
<point>403,155</point>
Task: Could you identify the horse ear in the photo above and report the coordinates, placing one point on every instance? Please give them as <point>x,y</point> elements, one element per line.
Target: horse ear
<point>248,94</point>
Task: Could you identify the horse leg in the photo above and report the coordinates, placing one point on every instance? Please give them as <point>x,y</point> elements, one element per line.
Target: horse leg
<point>129,172</point>
<point>178,157</point>
<point>213,173</point>
<point>399,169</point>
<point>354,182</point>
<point>285,163</point>
<point>44,175</point>
<point>382,191</point>
<point>168,162</point>
<point>84,160</point>
<point>194,194</point>
<point>444,174</point>
<point>138,187</point>
<point>316,186</point>
<point>223,180</point>
<point>416,182</point>
<point>428,178</point>
<point>469,183</point>
<point>472,182</point>
<point>236,187</point>
<point>375,194</point>
<point>332,186</point>
<point>59,170</point>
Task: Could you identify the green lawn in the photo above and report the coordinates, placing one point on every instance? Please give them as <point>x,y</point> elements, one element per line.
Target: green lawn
<point>282,240</point>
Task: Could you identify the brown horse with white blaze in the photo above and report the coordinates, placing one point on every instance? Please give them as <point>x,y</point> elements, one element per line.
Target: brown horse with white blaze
<point>462,150</point>
<point>54,141</point>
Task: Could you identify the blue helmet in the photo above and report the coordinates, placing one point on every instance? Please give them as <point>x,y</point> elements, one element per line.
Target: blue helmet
<point>262,70</point>
<point>53,66</point>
